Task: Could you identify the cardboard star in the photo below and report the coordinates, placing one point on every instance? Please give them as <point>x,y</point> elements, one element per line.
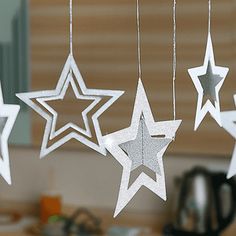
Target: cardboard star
<point>208,80</point>
<point>229,124</point>
<point>8,115</point>
<point>114,142</point>
<point>71,75</point>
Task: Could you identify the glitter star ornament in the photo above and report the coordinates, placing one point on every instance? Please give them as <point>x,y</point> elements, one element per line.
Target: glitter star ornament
<point>143,143</point>
<point>208,80</point>
<point>39,102</point>
<point>8,115</point>
<point>70,76</point>
<point>229,124</point>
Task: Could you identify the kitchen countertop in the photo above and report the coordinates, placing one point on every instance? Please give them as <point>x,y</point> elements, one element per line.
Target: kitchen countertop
<point>127,219</point>
<point>230,232</point>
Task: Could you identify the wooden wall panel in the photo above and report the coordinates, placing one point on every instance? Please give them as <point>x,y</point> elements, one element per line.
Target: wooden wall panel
<point>105,51</point>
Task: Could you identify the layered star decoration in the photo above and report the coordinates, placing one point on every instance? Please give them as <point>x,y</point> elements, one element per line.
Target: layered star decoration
<point>8,115</point>
<point>143,143</point>
<point>229,124</point>
<point>208,80</point>
<point>38,101</point>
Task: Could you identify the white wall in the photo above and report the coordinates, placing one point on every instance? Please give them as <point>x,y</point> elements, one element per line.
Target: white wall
<point>88,179</point>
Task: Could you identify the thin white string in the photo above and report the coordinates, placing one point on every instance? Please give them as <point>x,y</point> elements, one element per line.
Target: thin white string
<point>71,28</point>
<point>209,16</point>
<point>139,42</point>
<point>174,59</point>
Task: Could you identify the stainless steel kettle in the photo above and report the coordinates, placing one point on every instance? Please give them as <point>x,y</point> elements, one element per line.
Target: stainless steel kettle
<point>205,204</point>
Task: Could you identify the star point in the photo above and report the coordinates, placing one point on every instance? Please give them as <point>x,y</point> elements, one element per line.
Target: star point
<point>8,115</point>
<point>228,123</point>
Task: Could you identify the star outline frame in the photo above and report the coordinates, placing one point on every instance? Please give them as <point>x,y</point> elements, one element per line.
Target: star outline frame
<point>70,65</point>
<point>194,73</point>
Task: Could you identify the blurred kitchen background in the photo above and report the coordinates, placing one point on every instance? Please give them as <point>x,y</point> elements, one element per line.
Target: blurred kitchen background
<point>34,45</point>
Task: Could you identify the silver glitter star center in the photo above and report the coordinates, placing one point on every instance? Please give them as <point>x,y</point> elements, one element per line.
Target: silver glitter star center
<point>209,81</point>
<point>145,148</point>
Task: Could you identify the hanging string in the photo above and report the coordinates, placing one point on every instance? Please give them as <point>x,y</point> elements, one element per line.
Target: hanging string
<point>209,16</point>
<point>139,42</point>
<point>71,29</point>
<point>174,59</point>
<point>139,64</point>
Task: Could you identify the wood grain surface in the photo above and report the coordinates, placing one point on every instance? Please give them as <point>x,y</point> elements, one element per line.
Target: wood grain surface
<point>105,51</point>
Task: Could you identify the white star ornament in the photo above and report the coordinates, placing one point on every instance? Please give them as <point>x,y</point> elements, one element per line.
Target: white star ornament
<point>229,124</point>
<point>143,143</point>
<point>208,80</point>
<point>71,76</point>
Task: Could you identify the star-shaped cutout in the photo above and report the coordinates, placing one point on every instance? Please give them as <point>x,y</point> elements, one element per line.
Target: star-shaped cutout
<point>229,124</point>
<point>71,76</point>
<point>145,148</point>
<point>115,143</point>
<point>208,80</point>
<point>80,102</point>
<point>8,115</point>
<point>44,102</point>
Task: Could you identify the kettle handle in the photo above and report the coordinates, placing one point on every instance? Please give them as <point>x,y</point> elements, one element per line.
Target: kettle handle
<point>218,180</point>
